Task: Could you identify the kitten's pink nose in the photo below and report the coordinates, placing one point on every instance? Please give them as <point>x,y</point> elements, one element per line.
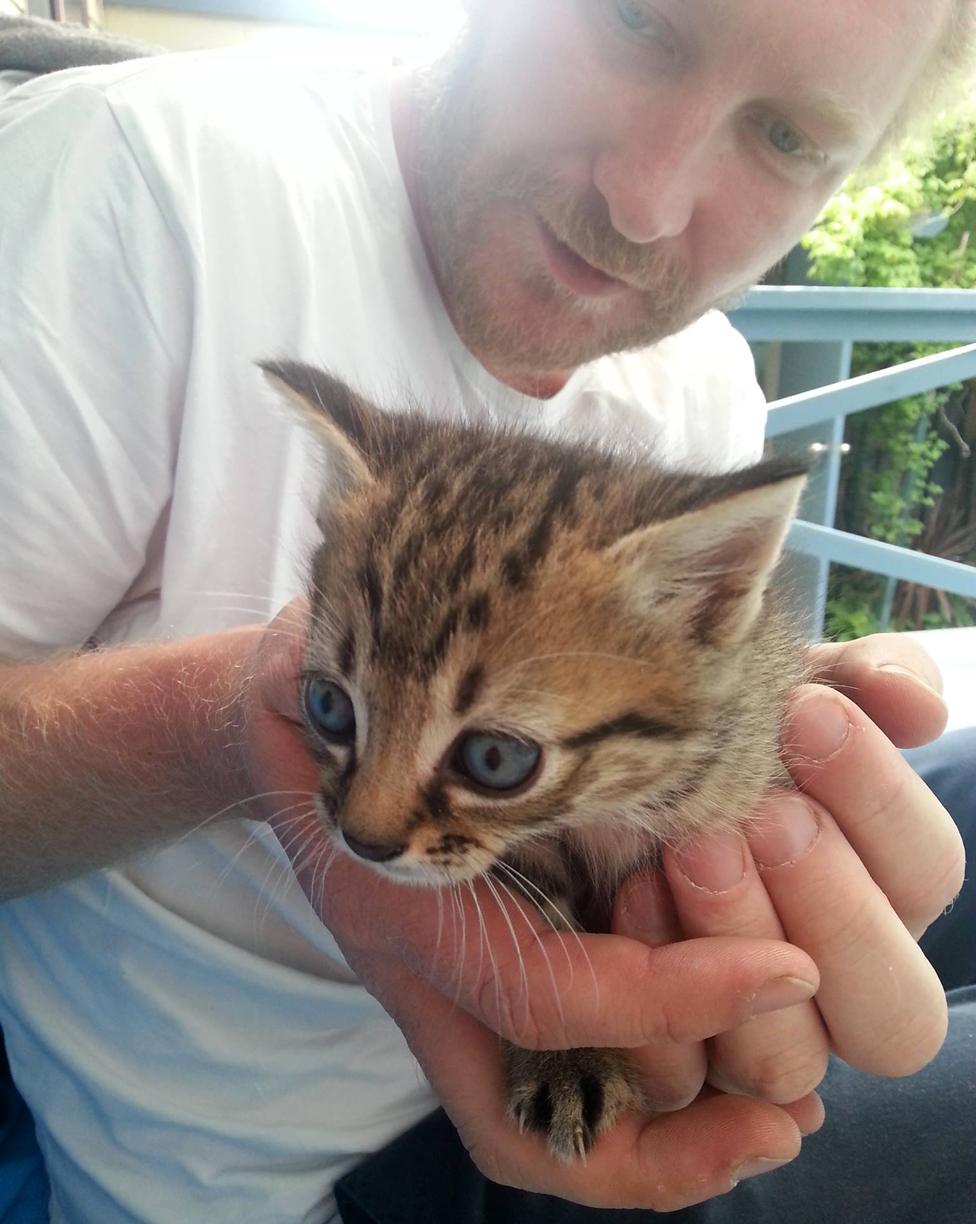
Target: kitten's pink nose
<point>374,852</point>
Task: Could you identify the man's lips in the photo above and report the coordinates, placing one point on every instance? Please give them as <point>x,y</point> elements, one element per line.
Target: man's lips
<point>573,272</point>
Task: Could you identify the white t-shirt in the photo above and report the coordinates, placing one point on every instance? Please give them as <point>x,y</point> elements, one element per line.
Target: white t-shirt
<point>190,1040</point>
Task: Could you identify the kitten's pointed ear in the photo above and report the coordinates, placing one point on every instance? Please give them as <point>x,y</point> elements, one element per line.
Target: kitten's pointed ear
<point>711,566</point>
<point>350,429</point>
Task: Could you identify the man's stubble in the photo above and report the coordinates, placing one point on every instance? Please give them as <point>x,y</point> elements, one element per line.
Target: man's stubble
<point>459,195</point>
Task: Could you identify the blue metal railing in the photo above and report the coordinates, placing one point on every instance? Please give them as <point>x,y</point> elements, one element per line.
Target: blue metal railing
<point>826,321</point>
<point>871,390</point>
<point>810,312</point>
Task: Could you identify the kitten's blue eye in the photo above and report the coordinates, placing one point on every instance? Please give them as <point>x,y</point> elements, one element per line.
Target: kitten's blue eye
<point>498,762</point>
<point>328,708</point>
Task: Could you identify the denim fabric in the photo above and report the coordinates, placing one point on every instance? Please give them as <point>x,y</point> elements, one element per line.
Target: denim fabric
<point>892,1151</point>
<point>23,1182</point>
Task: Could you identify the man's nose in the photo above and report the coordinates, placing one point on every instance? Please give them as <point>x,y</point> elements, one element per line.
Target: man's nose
<point>653,176</point>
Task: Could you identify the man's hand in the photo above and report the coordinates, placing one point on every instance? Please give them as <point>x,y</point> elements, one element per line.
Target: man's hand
<point>853,872</point>
<point>711,996</point>
<point>456,970</point>
<point>453,971</point>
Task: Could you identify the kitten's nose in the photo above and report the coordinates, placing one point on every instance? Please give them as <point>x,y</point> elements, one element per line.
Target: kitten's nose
<point>374,852</point>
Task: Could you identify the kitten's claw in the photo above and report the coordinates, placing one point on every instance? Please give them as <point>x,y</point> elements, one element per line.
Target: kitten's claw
<point>570,1096</point>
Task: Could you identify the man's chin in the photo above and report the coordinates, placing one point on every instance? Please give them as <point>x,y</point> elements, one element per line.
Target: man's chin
<point>526,353</point>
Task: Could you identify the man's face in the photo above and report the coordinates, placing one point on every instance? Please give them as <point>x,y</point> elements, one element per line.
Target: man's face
<point>598,173</point>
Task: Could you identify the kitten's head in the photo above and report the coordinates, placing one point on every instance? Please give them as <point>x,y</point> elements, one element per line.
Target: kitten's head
<point>513,638</point>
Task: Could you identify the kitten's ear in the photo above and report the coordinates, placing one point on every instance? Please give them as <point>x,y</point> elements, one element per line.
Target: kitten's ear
<point>351,430</point>
<point>711,566</point>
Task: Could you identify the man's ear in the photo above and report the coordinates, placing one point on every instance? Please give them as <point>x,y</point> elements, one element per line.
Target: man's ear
<point>711,566</point>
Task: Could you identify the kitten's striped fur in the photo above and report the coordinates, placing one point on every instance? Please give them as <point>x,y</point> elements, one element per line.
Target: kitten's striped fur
<point>612,613</point>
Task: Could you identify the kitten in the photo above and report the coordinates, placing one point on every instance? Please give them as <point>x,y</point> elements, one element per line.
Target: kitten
<point>541,654</point>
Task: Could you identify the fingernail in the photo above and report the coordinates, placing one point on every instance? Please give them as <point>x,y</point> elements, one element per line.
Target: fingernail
<point>646,912</point>
<point>820,727</point>
<point>897,670</point>
<point>784,832</point>
<point>716,864</point>
<point>755,1168</point>
<point>782,992</point>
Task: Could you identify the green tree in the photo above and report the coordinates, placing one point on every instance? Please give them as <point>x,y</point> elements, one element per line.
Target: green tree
<point>908,223</point>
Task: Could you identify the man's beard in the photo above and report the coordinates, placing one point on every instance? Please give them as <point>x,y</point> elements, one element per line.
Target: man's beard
<point>565,330</point>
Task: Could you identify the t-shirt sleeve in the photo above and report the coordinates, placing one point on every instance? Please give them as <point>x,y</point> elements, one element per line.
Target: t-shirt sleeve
<point>747,408</point>
<point>95,320</point>
<point>727,407</point>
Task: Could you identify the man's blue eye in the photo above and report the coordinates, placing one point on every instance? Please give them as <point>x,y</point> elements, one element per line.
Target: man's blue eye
<point>633,14</point>
<point>638,17</point>
<point>783,138</point>
<point>328,708</point>
<point>498,762</point>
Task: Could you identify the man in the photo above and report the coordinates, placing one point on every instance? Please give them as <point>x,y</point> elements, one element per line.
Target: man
<point>579,177</point>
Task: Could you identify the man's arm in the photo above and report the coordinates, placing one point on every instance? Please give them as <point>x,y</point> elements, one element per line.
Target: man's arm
<point>108,753</point>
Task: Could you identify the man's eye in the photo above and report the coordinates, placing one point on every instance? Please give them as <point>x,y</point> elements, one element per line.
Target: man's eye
<point>785,139</point>
<point>633,14</point>
<point>640,18</point>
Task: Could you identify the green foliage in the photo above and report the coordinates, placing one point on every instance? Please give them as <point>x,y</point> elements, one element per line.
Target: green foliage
<point>880,231</point>
<point>865,235</point>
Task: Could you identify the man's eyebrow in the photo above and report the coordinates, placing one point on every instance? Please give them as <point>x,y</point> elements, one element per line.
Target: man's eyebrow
<point>846,121</point>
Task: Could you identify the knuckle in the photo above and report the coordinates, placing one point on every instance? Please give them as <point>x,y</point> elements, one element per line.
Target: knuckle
<point>671,1093</point>
<point>490,1161</point>
<point>789,1076</point>
<point>846,924</point>
<point>512,1014</point>
<point>889,789</point>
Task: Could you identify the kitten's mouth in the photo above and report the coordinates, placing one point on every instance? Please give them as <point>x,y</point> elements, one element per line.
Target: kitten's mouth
<point>424,875</point>
<point>405,865</point>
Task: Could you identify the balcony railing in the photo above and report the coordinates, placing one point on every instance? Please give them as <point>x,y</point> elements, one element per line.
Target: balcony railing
<point>820,325</point>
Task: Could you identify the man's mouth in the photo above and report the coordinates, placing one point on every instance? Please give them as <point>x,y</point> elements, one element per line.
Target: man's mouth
<point>574,273</point>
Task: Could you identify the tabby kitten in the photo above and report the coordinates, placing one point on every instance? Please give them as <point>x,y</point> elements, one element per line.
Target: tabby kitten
<point>541,654</point>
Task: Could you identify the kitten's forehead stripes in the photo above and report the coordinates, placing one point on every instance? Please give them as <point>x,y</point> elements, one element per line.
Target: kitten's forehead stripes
<point>468,690</point>
<point>347,654</point>
<point>559,508</point>
<point>625,724</point>
<point>433,656</point>
<point>369,580</point>
<point>462,568</point>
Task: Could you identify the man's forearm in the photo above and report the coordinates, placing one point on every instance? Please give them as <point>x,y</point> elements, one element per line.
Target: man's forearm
<point>106,754</point>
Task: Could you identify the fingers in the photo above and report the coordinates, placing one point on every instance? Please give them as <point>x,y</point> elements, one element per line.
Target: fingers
<point>905,838</point>
<point>661,1163</point>
<point>808,1113</point>
<point>495,957</point>
<point>880,999</point>
<point>673,1072</point>
<point>892,680</point>
<point>717,891</point>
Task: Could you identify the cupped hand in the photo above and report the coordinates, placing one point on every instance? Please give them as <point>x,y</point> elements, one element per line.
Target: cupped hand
<point>852,869</point>
<point>458,970</point>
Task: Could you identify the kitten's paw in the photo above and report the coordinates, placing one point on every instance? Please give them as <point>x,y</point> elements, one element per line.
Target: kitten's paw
<point>571,1096</point>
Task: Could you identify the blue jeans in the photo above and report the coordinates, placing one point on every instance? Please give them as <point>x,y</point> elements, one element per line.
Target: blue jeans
<point>892,1152</point>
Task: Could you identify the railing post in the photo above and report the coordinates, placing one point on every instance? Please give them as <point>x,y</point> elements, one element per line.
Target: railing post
<point>805,367</point>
